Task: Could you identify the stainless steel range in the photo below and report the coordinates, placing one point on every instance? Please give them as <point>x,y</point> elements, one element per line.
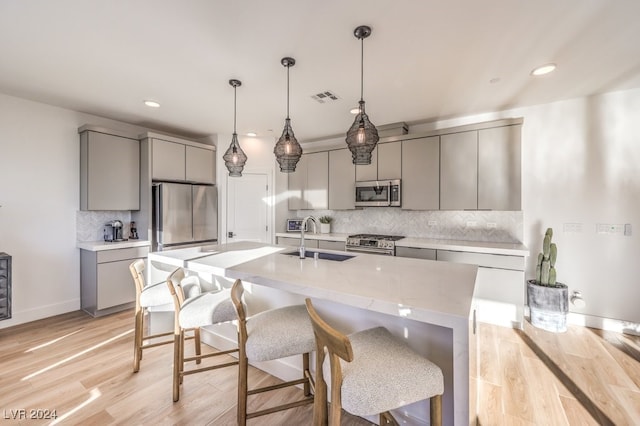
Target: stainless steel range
<point>373,243</point>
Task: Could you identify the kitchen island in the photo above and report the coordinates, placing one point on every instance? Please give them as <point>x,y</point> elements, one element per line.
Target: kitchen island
<point>427,303</point>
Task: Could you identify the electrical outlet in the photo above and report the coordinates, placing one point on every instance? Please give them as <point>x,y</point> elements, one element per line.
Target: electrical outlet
<point>472,224</point>
<point>572,227</point>
<point>491,225</point>
<point>609,228</point>
<point>627,229</point>
<point>432,223</point>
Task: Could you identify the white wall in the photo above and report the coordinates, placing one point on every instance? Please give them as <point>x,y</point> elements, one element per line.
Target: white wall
<point>39,195</point>
<point>580,162</point>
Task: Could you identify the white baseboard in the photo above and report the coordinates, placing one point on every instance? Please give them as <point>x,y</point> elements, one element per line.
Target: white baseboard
<point>498,313</point>
<point>600,323</point>
<point>33,314</point>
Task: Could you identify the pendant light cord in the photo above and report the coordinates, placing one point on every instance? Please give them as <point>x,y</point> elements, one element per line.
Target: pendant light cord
<point>361,68</point>
<point>234,109</point>
<point>287,91</point>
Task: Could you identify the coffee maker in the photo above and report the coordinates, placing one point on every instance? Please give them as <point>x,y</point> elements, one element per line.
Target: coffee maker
<point>113,231</point>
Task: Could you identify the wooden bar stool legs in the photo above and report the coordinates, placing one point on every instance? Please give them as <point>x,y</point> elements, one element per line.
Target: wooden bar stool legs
<point>269,335</point>
<point>191,314</point>
<point>146,297</point>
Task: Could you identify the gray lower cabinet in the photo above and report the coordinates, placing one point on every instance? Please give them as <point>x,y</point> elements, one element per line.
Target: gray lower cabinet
<point>106,285</point>
<point>5,286</point>
<point>500,285</point>
<point>109,171</point>
<point>421,174</point>
<point>295,242</point>
<point>416,253</point>
<point>312,243</point>
<point>331,245</point>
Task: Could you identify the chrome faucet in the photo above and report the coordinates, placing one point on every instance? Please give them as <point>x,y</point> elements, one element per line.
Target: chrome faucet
<point>302,226</point>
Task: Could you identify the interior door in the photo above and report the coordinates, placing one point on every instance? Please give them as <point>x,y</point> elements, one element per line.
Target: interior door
<point>247,208</point>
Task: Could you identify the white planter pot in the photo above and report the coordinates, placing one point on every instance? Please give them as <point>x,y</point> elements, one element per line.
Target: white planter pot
<point>325,228</point>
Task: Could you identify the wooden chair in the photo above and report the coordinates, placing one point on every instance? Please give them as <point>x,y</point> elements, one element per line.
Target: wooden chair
<point>369,373</point>
<point>148,297</point>
<point>193,310</point>
<point>270,335</point>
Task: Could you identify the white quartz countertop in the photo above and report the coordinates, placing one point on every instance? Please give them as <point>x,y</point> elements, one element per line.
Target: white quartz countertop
<point>104,245</point>
<point>509,249</point>
<point>436,292</point>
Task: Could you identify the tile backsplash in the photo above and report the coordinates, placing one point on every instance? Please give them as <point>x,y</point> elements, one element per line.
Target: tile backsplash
<point>90,224</point>
<point>491,226</point>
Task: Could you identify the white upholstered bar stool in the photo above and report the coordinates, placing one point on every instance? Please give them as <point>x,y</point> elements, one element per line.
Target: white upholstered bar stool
<point>370,373</point>
<point>194,309</point>
<point>269,335</point>
<point>149,297</point>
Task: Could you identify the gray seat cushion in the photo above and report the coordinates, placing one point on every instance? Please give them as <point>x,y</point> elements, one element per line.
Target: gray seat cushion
<point>206,309</point>
<point>279,333</point>
<point>384,374</point>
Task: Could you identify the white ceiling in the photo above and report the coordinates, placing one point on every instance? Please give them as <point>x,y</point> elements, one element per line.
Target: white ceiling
<point>426,60</point>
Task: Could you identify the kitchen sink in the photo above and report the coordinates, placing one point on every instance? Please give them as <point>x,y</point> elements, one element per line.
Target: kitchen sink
<point>322,255</point>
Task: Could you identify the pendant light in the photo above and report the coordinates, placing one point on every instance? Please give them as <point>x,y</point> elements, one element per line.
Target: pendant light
<point>287,150</point>
<point>234,158</point>
<point>362,136</point>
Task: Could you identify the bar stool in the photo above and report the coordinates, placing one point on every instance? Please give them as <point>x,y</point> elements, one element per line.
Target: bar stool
<point>370,372</point>
<point>270,335</point>
<point>148,297</point>
<point>193,310</point>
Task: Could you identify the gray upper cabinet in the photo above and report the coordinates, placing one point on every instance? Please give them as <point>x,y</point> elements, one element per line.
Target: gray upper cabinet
<point>297,183</point>
<point>369,171</point>
<point>386,163</point>
<point>200,165</point>
<point>459,171</point>
<point>309,184</point>
<point>342,178</point>
<point>182,162</point>
<point>109,171</point>
<point>168,160</point>
<point>499,170</point>
<point>390,160</point>
<point>421,173</point>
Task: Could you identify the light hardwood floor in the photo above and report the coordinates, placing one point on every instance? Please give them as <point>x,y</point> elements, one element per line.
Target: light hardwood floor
<point>81,367</point>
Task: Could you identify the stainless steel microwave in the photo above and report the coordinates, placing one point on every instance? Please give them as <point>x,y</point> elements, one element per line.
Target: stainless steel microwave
<point>378,193</point>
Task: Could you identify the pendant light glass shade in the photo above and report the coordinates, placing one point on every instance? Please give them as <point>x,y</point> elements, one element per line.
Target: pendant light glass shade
<point>287,150</point>
<point>362,136</point>
<point>234,158</point>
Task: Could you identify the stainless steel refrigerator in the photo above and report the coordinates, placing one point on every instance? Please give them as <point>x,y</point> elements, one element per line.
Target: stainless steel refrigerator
<point>184,215</point>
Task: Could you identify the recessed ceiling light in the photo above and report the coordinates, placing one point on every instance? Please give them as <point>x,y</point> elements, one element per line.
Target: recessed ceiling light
<point>544,69</point>
<point>152,104</point>
<point>252,134</point>
<point>354,110</point>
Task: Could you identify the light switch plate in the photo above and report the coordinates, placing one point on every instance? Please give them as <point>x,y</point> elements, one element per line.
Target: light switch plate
<point>627,229</point>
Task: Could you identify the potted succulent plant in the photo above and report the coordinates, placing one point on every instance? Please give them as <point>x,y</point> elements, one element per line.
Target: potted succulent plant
<point>548,299</point>
<point>325,224</point>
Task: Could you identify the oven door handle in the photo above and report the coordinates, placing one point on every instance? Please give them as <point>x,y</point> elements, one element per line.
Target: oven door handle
<point>369,251</point>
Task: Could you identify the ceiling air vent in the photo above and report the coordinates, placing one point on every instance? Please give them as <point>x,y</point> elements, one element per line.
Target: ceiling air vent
<point>326,96</point>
